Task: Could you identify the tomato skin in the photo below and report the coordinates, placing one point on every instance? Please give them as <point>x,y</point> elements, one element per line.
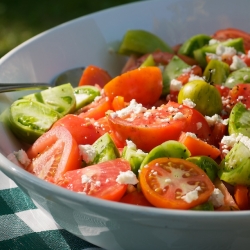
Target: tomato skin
<point>92,180</point>
<point>136,198</point>
<point>240,92</point>
<point>54,153</point>
<point>93,75</point>
<point>150,132</point>
<point>241,196</point>
<point>183,177</point>
<point>96,109</point>
<point>225,34</point>
<point>83,132</point>
<point>142,84</point>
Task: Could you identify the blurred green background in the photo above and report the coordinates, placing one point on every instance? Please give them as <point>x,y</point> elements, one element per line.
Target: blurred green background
<point>23,19</point>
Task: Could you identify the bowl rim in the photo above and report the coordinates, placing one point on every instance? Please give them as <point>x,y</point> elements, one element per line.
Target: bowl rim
<point>10,169</point>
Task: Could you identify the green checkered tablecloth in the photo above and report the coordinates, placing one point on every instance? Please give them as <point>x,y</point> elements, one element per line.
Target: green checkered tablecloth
<point>20,227</point>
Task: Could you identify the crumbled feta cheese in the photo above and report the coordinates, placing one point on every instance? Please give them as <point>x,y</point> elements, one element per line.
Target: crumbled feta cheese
<point>85,179</point>
<point>195,77</point>
<point>175,85</point>
<point>212,56</point>
<point>133,107</point>
<point>237,63</point>
<point>87,152</point>
<point>127,177</point>
<point>19,156</point>
<point>217,198</point>
<point>131,145</point>
<point>230,140</point>
<point>178,115</point>
<point>224,50</point>
<point>192,195</point>
<point>172,109</point>
<point>213,41</point>
<point>189,103</point>
<point>191,134</point>
<point>212,120</point>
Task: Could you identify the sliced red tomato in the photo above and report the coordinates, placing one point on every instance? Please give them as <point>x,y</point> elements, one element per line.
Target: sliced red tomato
<point>150,130</point>
<point>96,109</point>
<point>198,147</point>
<point>98,180</point>
<point>136,198</point>
<point>175,183</point>
<point>142,84</point>
<point>231,33</point>
<point>218,130</point>
<point>53,154</point>
<point>93,75</point>
<point>83,131</point>
<point>240,93</point>
<point>155,126</point>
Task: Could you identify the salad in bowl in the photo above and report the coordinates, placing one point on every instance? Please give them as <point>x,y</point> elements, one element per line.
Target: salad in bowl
<point>157,143</point>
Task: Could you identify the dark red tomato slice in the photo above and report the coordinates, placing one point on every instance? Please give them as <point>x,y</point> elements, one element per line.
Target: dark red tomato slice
<point>54,153</point>
<point>93,75</point>
<point>198,125</point>
<point>231,33</point>
<point>136,198</point>
<point>83,131</point>
<point>153,127</point>
<point>240,93</point>
<point>175,183</point>
<point>142,84</point>
<point>98,180</point>
<point>218,130</point>
<point>97,109</point>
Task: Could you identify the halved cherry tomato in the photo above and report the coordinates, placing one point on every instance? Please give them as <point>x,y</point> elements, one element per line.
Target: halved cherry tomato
<point>97,180</point>
<point>136,198</point>
<point>53,154</point>
<point>97,109</point>
<point>83,131</point>
<point>198,147</point>
<point>218,130</point>
<point>175,183</point>
<point>159,125</point>
<point>143,84</point>
<point>225,34</point>
<point>241,197</point>
<point>93,75</point>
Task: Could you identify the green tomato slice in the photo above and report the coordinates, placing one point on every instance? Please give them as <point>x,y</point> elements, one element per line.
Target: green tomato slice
<point>28,120</point>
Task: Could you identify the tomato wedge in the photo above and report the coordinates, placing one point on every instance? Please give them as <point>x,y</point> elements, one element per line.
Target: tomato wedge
<point>175,183</point>
<point>93,75</point>
<point>54,153</point>
<point>97,109</point>
<point>142,84</point>
<point>83,132</point>
<point>97,180</point>
<point>151,128</point>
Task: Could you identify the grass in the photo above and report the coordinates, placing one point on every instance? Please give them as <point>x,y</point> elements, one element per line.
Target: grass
<point>23,19</point>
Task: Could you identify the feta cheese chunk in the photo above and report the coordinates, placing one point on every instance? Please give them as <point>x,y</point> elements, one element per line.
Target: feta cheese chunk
<point>127,177</point>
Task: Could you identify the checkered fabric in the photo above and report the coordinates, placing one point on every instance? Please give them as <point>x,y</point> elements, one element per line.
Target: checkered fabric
<point>23,226</point>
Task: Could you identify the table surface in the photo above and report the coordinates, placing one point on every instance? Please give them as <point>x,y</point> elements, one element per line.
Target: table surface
<point>20,227</point>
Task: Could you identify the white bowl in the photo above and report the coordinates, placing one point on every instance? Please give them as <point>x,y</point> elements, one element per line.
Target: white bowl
<point>86,41</point>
